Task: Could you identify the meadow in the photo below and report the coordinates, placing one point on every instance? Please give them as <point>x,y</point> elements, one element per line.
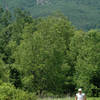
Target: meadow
<point>89,98</point>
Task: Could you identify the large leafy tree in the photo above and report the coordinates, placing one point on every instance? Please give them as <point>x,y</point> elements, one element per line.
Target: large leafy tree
<point>84,56</point>
<point>40,57</point>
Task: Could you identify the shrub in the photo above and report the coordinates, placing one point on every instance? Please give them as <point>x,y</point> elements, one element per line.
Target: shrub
<point>9,92</point>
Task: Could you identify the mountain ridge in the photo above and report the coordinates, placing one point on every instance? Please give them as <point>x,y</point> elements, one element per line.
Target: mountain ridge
<point>84,14</point>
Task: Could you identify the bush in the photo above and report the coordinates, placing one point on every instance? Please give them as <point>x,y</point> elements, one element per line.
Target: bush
<point>9,92</point>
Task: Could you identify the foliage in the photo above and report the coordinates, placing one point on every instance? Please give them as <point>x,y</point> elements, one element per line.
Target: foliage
<point>84,51</point>
<point>9,92</point>
<point>42,60</point>
<point>47,56</point>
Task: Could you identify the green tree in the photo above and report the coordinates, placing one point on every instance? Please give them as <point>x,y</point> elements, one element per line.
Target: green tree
<point>84,55</point>
<point>40,55</point>
<point>4,71</point>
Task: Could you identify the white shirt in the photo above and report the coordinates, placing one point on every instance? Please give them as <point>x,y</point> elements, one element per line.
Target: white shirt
<point>80,96</point>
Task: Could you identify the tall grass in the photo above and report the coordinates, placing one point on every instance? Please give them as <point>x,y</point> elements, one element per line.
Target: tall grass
<point>92,98</point>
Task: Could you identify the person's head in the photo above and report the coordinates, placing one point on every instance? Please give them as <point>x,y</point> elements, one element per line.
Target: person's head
<point>80,90</point>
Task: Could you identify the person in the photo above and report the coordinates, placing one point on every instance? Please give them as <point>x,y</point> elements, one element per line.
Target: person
<point>80,95</point>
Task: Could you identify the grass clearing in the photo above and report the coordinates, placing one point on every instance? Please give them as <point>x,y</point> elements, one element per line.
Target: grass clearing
<point>92,98</point>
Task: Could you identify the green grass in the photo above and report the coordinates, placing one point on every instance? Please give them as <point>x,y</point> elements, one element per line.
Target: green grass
<point>67,98</point>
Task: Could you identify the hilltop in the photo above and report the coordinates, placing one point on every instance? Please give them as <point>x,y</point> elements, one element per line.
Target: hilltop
<point>84,14</point>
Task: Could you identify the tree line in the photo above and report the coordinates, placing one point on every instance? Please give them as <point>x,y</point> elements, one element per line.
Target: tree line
<point>46,56</point>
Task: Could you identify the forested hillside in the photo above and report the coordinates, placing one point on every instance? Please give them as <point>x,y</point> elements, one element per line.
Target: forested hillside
<point>84,14</point>
<point>46,56</point>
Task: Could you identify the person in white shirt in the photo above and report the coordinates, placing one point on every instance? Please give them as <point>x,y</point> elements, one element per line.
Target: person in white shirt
<point>80,95</point>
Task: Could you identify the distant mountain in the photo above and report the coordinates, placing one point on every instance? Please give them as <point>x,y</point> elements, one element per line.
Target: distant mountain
<point>84,14</point>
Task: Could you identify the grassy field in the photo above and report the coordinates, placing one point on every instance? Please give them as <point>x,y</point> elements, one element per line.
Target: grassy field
<point>67,99</point>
